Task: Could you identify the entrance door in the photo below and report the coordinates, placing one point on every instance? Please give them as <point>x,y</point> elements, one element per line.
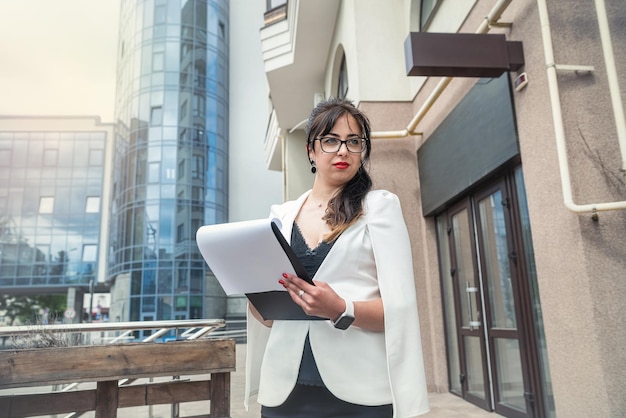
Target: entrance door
<point>493,347</point>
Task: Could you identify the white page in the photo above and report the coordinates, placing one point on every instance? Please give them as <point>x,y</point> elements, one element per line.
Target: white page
<point>245,256</point>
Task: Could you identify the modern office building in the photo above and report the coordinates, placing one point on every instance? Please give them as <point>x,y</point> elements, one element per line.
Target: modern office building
<point>171,157</point>
<point>54,200</point>
<point>508,152</point>
<point>166,170</point>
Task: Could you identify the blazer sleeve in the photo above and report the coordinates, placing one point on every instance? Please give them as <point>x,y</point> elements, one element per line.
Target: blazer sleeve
<point>394,265</point>
<point>257,333</point>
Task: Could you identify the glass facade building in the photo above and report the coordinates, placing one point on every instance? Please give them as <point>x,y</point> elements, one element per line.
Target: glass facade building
<point>171,157</point>
<point>52,195</point>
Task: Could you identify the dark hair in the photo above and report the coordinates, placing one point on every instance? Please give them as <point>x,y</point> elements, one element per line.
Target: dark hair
<point>347,205</point>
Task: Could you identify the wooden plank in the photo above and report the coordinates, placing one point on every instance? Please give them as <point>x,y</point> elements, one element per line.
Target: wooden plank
<point>164,393</point>
<point>50,403</point>
<point>15,406</point>
<point>106,399</point>
<point>220,395</point>
<point>47,366</point>
<point>5,407</point>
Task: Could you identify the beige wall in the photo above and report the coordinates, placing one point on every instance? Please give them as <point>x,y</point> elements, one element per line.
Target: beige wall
<point>580,262</point>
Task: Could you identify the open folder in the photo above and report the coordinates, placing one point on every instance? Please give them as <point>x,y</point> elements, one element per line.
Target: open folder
<point>249,257</point>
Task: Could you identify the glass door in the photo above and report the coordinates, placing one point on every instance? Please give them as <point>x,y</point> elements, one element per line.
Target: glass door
<point>473,376</point>
<point>488,305</point>
<point>500,287</point>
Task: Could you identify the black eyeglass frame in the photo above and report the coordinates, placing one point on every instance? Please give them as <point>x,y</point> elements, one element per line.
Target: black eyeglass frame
<point>343,142</point>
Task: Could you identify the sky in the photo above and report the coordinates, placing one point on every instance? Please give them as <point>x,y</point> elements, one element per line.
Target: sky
<point>57,57</point>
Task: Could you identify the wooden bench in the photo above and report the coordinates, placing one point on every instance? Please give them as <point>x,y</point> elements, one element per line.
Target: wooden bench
<point>107,365</point>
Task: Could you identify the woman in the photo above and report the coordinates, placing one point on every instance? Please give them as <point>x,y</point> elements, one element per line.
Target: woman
<point>366,359</point>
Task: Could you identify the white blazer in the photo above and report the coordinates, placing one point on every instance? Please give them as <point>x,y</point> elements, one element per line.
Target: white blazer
<point>370,259</point>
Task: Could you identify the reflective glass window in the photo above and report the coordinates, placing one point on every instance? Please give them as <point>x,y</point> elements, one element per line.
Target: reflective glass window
<point>93,204</point>
<point>158,60</point>
<point>342,83</point>
<point>96,157</point>
<point>427,11</point>
<point>156,115</point>
<point>5,157</point>
<point>50,157</point>
<point>153,176</point>
<point>197,167</point>
<point>46,204</point>
<point>90,253</point>
<point>275,3</point>
<point>180,233</point>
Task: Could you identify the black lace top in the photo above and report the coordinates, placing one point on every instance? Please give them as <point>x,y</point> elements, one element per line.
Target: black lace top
<point>311,260</point>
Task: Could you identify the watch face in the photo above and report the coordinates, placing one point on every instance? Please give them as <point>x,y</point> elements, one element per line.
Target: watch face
<point>344,322</point>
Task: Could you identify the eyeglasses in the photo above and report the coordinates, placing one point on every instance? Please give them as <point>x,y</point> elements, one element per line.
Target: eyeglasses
<point>330,144</point>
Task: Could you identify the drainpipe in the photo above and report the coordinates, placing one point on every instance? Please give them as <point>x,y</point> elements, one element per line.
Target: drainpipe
<point>609,59</point>
<point>557,116</point>
<point>489,22</point>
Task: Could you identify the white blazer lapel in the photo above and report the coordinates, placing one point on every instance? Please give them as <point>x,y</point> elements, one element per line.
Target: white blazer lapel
<point>287,213</point>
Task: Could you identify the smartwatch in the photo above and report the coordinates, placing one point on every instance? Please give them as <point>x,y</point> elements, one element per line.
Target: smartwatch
<point>346,318</point>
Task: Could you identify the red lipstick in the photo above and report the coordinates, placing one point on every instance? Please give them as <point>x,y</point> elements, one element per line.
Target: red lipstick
<point>342,165</point>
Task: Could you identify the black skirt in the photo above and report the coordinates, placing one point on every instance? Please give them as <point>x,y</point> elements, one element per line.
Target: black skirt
<point>318,402</point>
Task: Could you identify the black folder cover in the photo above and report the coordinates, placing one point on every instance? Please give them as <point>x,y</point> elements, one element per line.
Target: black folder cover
<point>277,304</point>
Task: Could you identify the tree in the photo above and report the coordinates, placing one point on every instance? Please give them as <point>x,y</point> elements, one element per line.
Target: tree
<point>26,308</point>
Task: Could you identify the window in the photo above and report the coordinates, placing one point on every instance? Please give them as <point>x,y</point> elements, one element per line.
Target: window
<point>427,12</point>
<point>183,111</point>
<point>156,115</point>
<point>342,83</point>
<point>90,253</point>
<point>195,225</point>
<point>158,59</point>
<point>197,167</point>
<point>5,157</point>
<point>180,233</point>
<point>46,204</point>
<point>199,105</point>
<point>96,157</point>
<point>271,4</point>
<point>180,203</point>
<point>154,172</point>
<point>50,157</point>
<point>198,134</point>
<point>93,204</point>
<point>183,136</point>
<point>196,193</point>
<point>181,169</point>
<point>186,49</point>
<point>160,13</point>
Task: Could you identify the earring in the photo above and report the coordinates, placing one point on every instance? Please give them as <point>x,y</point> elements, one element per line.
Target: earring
<point>313,168</point>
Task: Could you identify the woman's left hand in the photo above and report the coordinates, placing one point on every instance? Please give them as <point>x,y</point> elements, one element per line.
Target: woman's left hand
<point>319,300</point>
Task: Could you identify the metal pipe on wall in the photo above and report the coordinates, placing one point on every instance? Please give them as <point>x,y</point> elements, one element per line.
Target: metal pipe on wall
<point>611,72</point>
<point>493,16</point>
<point>557,116</point>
